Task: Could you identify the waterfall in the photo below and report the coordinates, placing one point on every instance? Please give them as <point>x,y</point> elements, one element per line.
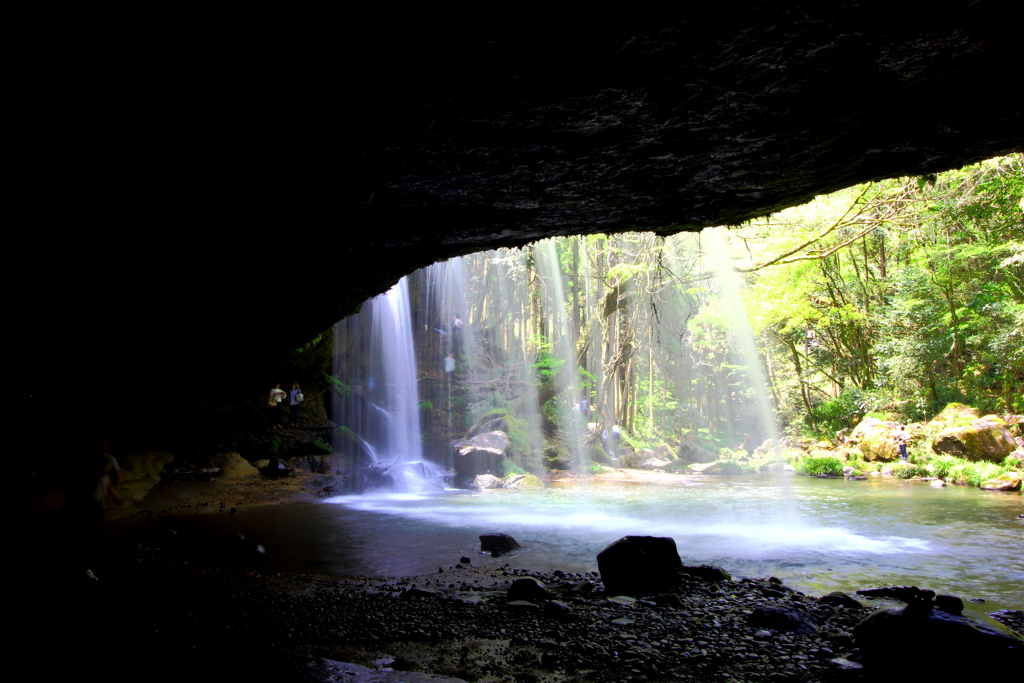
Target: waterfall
<point>392,340</point>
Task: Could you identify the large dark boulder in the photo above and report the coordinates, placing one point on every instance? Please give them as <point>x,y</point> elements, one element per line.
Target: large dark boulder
<point>640,565</point>
<point>922,640</point>
<point>498,543</point>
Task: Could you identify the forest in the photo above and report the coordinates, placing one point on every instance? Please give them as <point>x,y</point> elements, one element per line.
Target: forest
<point>890,299</point>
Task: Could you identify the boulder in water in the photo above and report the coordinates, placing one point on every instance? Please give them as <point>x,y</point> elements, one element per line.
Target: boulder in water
<point>640,565</point>
<point>486,481</point>
<point>986,438</point>
<point>498,543</point>
<point>1011,481</point>
<point>481,454</point>
<point>523,481</point>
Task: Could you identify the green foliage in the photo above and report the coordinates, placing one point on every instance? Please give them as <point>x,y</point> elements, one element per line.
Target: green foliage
<point>426,405</point>
<point>509,468</point>
<point>275,444</point>
<point>957,470</point>
<point>729,468</point>
<point>547,363</point>
<point>908,470</point>
<point>597,468</point>
<point>323,445</point>
<point>729,454</point>
<point>814,467</point>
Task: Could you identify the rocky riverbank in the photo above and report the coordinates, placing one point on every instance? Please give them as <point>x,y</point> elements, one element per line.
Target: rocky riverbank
<point>161,606</point>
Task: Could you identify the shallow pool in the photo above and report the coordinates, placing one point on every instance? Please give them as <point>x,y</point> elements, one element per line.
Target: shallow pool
<point>818,535</point>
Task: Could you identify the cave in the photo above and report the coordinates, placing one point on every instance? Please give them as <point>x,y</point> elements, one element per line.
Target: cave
<point>239,223</point>
<point>242,208</point>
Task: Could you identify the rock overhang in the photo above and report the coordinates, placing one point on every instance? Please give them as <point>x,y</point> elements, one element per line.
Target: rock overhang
<point>405,146</point>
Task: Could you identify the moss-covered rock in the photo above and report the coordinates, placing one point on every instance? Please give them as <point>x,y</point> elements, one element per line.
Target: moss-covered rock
<point>691,452</point>
<point>141,472</point>
<point>665,452</point>
<point>630,460</point>
<point>987,438</point>
<point>875,439</point>
<point>957,415</point>
<point>1010,481</point>
<point>523,481</point>
<point>233,466</point>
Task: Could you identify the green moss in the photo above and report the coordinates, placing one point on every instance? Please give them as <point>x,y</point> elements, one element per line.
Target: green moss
<point>509,468</point>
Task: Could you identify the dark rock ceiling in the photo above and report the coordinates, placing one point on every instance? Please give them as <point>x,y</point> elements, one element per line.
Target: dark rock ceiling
<point>247,198</point>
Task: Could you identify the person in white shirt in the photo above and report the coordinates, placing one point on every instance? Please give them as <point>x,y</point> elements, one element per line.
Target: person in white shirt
<point>274,403</point>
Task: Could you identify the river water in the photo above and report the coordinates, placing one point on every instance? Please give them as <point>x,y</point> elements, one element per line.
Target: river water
<point>818,535</point>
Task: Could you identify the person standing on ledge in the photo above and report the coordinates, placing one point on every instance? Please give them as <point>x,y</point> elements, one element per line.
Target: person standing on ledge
<point>274,404</point>
<point>295,397</point>
<point>615,439</point>
<point>902,439</point>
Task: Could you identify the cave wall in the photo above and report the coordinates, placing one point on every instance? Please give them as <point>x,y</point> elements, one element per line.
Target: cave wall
<point>240,211</point>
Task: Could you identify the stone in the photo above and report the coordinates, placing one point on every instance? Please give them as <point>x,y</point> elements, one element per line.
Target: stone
<point>654,464</point>
<point>141,472</point>
<point>978,647</point>
<point>557,608</point>
<point>937,484</point>
<point>527,588</point>
<point>523,481</point>
<point>233,467</point>
<point>984,439</point>
<point>492,442</point>
<point>783,619</point>
<point>690,452</point>
<point>665,452</point>
<point>331,671</point>
<point>705,572</point>
<point>956,415</point>
<point>876,439</point>
<point>839,599</point>
<point>1010,481</point>
<point>640,565</point>
<point>950,604</point>
<point>481,454</point>
<point>498,543</point>
<point>486,481</point>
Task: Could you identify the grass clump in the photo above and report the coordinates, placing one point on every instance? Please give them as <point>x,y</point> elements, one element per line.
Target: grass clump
<point>908,470</point>
<point>509,468</point>
<point>814,467</point>
<point>596,468</point>
<point>964,472</point>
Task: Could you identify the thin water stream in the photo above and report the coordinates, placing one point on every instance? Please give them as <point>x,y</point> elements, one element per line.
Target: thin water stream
<point>818,535</point>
